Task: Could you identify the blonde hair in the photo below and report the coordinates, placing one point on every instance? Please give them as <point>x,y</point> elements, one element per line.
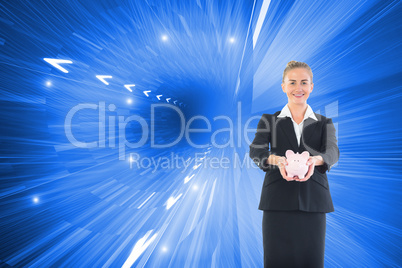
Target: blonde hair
<point>296,64</point>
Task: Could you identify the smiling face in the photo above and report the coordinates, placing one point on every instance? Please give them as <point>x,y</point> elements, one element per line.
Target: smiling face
<point>297,85</point>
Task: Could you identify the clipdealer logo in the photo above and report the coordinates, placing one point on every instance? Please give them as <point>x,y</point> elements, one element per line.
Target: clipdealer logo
<point>148,132</point>
<point>148,129</point>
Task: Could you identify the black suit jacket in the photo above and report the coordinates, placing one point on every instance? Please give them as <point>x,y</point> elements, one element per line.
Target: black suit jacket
<point>276,135</point>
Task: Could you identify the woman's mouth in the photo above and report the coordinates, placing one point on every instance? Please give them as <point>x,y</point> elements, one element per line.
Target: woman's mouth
<point>298,95</point>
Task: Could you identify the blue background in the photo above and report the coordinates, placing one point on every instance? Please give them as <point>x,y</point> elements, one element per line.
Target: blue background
<point>77,207</point>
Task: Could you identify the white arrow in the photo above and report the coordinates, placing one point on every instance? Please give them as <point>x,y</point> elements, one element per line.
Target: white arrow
<point>56,62</point>
<point>168,99</point>
<point>197,166</point>
<point>129,87</point>
<point>102,78</point>
<point>159,97</point>
<point>172,200</point>
<point>175,101</point>
<point>146,92</point>
<point>139,248</point>
<point>187,179</point>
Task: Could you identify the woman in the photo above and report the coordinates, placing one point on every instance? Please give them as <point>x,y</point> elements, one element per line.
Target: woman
<point>294,210</point>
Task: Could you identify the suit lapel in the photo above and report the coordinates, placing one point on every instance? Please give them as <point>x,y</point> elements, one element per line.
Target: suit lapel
<point>309,128</point>
<point>285,125</point>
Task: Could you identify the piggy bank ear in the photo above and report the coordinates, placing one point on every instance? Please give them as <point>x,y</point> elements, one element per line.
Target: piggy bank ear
<point>289,153</point>
<point>305,154</point>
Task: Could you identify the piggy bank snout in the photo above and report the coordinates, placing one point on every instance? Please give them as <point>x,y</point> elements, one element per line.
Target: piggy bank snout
<point>298,163</point>
<point>298,166</point>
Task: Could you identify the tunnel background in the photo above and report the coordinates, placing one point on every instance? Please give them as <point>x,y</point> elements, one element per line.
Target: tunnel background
<point>62,205</point>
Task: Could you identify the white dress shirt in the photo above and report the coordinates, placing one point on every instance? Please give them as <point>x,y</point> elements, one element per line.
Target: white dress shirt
<point>298,127</point>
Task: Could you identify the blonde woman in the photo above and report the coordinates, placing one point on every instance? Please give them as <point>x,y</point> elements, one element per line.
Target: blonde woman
<point>294,209</point>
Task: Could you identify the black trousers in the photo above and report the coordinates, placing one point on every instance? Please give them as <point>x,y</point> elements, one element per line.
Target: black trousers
<point>293,238</point>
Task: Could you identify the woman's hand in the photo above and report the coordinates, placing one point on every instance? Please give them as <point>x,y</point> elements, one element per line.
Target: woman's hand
<point>281,162</point>
<point>311,162</point>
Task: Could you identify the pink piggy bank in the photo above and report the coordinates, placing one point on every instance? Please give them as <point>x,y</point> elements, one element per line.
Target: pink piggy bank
<point>297,164</point>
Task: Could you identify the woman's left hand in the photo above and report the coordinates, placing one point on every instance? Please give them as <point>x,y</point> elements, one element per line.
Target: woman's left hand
<point>311,162</point>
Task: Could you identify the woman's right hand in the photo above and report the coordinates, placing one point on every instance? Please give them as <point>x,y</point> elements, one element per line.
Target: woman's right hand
<point>281,163</point>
